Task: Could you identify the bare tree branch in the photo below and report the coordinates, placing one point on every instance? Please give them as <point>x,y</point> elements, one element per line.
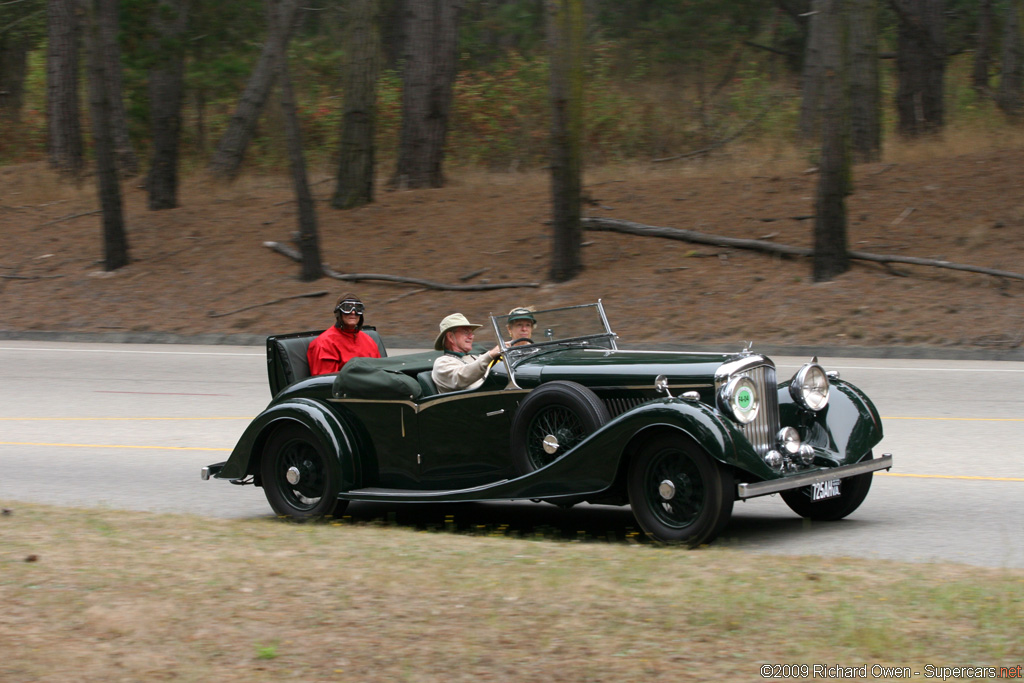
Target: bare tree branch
<point>268,303</point>
<point>291,253</point>
<point>630,228</point>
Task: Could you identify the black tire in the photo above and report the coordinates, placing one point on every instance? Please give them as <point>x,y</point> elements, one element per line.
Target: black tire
<point>853,492</point>
<point>566,411</point>
<point>679,494</point>
<point>315,493</point>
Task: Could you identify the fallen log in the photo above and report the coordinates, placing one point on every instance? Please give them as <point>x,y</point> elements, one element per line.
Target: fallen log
<point>631,228</point>
<point>293,254</point>
<point>308,295</point>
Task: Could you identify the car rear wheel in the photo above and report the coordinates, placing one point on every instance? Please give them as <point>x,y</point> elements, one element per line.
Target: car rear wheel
<point>300,479</point>
<point>853,491</point>
<point>679,494</point>
<point>552,419</point>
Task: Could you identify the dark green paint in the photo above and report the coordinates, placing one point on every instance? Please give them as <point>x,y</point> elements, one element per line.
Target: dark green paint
<point>455,447</point>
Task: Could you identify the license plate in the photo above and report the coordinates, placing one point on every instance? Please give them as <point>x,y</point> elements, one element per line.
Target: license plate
<point>824,490</point>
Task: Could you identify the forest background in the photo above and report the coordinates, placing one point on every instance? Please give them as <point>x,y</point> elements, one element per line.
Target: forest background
<point>694,116</point>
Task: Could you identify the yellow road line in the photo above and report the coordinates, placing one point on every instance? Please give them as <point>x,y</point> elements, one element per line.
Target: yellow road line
<point>947,476</point>
<point>98,445</point>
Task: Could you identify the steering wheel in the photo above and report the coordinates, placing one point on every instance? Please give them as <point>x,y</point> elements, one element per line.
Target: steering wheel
<point>490,365</point>
<point>521,340</point>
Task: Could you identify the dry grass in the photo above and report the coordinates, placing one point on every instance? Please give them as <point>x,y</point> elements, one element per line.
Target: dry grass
<point>118,596</point>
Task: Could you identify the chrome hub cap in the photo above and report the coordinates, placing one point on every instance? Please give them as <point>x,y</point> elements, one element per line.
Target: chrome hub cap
<point>550,444</point>
<point>292,475</point>
<point>667,490</point>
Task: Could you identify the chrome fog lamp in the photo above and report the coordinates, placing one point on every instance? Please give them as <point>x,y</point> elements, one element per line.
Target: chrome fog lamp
<point>789,440</point>
<point>738,397</point>
<point>809,387</point>
<point>773,459</point>
<point>806,454</point>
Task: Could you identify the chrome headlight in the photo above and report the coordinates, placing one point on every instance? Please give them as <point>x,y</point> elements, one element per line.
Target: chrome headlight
<point>809,387</point>
<point>738,397</point>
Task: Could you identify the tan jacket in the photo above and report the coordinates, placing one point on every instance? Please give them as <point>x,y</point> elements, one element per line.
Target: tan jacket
<point>453,373</point>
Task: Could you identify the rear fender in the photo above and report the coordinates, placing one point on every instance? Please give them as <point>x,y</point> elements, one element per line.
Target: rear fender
<point>334,435</point>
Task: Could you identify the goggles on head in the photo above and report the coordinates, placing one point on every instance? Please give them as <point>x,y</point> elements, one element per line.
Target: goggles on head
<point>349,307</point>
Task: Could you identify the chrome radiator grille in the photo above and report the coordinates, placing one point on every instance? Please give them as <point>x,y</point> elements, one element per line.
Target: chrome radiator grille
<point>617,406</point>
<point>761,432</point>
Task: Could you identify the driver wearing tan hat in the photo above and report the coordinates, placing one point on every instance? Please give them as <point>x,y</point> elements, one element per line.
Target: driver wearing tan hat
<point>458,368</point>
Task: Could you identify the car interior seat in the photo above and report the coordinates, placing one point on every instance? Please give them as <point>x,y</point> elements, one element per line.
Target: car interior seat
<point>426,383</point>
<point>292,348</point>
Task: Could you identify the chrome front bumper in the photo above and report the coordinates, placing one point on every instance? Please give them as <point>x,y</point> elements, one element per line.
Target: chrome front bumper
<point>211,470</point>
<point>763,488</point>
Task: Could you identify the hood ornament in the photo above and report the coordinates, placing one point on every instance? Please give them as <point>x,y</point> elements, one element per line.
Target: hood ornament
<point>747,350</point>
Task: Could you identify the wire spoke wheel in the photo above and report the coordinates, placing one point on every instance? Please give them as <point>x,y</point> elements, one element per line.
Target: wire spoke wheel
<point>301,462</point>
<point>300,479</point>
<point>552,420</point>
<point>679,494</point>
<point>554,431</point>
<point>674,488</point>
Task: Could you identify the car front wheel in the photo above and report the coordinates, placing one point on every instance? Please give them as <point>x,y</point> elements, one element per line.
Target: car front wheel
<point>853,491</point>
<point>299,478</point>
<point>679,494</point>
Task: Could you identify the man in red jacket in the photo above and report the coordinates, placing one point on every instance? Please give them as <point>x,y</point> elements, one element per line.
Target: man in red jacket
<point>346,340</point>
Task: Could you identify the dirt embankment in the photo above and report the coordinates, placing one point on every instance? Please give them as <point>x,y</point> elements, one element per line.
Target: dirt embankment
<point>193,266</point>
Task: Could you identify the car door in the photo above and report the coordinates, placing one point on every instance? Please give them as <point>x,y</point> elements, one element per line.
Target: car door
<point>464,438</point>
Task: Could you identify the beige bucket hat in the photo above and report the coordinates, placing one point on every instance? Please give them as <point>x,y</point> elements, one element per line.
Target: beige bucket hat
<point>451,321</point>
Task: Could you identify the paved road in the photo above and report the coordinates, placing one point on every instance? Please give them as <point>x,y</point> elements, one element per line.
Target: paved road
<point>129,426</point>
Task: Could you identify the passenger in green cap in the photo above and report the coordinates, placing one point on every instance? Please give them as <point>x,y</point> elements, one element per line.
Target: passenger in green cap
<point>458,368</point>
<point>520,326</point>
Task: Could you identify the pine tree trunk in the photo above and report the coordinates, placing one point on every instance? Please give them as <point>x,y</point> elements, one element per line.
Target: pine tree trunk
<point>359,117</point>
<point>983,53</point>
<point>166,84</point>
<point>1010,97</point>
<point>565,46</point>
<point>64,119</point>
<point>921,61</point>
<point>864,85</point>
<point>14,49</point>
<point>309,241</point>
<point>830,255</point>
<point>812,75</point>
<point>227,160</point>
<point>127,161</point>
<point>115,240</point>
<point>431,39</point>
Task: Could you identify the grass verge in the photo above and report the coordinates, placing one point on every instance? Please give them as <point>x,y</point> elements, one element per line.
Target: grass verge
<point>110,595</point>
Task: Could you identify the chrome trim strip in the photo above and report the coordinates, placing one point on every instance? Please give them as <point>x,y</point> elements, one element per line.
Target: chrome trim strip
<point>763,488</point>
<point>662,353</point>
<point>648,387</point>
<point>732,367</point>
<point>431,401</point>
<point>494,413</point>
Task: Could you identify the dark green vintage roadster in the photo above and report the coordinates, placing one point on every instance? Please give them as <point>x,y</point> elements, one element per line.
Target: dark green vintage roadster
<point>564,419</point>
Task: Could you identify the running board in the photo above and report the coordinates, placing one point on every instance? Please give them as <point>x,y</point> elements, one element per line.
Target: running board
<point>416,495</point>
<point>763,488</point>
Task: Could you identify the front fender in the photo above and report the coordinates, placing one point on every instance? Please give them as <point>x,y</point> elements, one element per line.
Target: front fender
<point>600,455</point>
<point>325,425</point>
<point>844,431</point>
